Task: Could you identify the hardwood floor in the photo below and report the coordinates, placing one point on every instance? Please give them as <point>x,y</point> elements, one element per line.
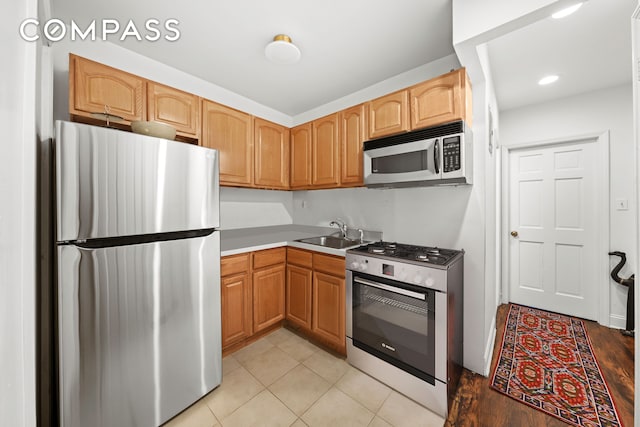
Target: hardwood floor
<point>476,404</point>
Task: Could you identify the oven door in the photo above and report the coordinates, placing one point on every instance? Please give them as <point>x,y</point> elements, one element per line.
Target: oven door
<point>406,162</point>
<point>395,322</point>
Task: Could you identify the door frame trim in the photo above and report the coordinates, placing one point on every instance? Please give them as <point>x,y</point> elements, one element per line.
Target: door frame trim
<point>602,178</point>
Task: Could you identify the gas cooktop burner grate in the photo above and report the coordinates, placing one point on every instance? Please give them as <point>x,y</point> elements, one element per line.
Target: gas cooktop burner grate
<point>426,254</point>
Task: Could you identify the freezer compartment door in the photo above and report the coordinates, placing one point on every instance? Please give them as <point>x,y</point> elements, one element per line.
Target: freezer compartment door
<point>139,331</point>
<point>112,183</point>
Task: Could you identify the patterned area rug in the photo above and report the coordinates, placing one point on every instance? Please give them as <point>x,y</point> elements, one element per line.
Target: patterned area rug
<point>547,362</point>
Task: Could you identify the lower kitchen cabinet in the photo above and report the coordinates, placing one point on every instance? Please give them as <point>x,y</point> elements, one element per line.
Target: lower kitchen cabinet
<point>329,308</point>
<point>268,296</point>
<point>235,287</point>
<point>252,292</point>
<point>299,288</point>
<point>316,296</point>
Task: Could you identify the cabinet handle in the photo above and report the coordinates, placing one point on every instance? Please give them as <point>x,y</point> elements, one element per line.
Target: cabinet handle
<point>514,233</point>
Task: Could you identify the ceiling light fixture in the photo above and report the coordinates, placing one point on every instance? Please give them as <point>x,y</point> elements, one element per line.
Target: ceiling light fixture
<point>567,11</point>
<point>547,80</point>
<point>282,50</point>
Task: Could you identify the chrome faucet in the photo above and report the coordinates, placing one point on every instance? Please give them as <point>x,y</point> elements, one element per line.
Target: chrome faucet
<point>341,225</point>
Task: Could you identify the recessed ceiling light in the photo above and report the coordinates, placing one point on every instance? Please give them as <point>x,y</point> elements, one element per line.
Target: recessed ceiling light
<point>547,80</point>
<point>567,11</point>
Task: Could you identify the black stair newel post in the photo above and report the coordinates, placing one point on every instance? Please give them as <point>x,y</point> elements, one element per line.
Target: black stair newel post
<point>630,296</point>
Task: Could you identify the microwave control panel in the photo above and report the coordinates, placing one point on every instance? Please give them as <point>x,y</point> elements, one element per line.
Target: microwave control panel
<point>451,153</point>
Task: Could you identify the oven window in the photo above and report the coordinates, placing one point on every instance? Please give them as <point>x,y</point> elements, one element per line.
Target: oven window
<point>397,328</point>
<point>413,161</point>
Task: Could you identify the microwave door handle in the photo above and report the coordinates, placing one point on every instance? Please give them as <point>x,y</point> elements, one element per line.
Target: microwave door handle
<point>436,156</point>
<point>393,289</point>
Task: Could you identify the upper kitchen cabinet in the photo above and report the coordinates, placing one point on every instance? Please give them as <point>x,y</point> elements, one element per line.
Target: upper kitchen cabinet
<point>441,100</point>
<point>388,114</point>
<point>352,137</point>
<point>174,107</point>
<point>325,153</point>
<point>301,156</point>
<point>231,133</point>
<point>96,89</point>
<point>271,155</point>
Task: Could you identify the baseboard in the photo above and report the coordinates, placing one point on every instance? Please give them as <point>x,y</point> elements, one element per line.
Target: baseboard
<point>488,350</point>
<point>617,321</point>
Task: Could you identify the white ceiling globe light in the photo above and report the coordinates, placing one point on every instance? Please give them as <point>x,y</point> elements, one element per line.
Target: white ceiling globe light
<point>282,50</point>
<point>547,80</point>
<point>567,11</point>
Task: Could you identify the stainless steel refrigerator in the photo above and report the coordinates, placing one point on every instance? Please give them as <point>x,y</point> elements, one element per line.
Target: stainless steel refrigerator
<point>138,276</point>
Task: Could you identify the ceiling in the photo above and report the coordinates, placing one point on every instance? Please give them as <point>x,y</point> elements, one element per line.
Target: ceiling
<point>350,45</point>
<point>588,50</point>
<point>346,45</point>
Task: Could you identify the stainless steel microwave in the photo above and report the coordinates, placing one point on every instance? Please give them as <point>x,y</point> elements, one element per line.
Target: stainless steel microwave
<point>438,155</point>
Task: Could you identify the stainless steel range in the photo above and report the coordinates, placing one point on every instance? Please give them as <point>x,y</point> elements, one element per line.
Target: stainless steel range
<point>404,319</point>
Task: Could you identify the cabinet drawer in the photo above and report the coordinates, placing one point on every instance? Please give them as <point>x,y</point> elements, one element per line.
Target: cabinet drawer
<point>329,264</point>
<point>269,257</point>
<point>299,257</point>
<point>234,264</point>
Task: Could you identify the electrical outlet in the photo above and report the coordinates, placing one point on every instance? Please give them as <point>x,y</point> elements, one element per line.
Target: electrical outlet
<point>622,204</point>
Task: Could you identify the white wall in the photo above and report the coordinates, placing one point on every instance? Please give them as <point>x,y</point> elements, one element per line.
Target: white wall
<point>244,207</point>
<point>17,218</point>
<point>609,109</point>
<point>392,84</point>
<point>498,16</point>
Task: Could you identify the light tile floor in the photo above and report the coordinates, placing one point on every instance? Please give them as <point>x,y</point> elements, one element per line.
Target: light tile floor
<point>284,380</point>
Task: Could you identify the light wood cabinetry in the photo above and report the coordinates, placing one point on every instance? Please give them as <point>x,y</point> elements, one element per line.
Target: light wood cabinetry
<point>97,88</point>
<point>174,107</point>
<point>231,133</point>
<point>388,114</point>
<point>299,287</point>
<point>316,296</point>
<point>271,155</point>
<point>325,152</point>
<point>301,156</point>
<point>441,100</point>
<point>252,295</point>
<point>328,308</point>
<point>236,299</point>
<point>268,287</point>
<point>352,137</point>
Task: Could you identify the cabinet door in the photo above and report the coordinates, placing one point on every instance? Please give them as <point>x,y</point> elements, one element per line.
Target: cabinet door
<point>271,155</point>
<point>326,166</point>
<point>96,88</point>
<point>173,107</point>
<point>440,100</point>
<point>301,156</point>
<point>268,297</point>
<point>352,136</point>
<point>236,308</point>
<point>299,284</point>
<point>388,114</point>
<point>231,133</point>
<point>329,308</point>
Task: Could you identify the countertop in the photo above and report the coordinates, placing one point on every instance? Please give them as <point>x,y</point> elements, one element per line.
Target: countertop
<point>258,238</point>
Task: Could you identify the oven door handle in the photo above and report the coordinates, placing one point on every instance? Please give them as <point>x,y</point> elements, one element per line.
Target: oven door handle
<point>393,289</point>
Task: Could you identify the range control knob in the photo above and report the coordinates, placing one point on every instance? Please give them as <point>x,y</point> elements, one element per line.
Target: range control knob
<point>402,275</point>
<point>354,264</point>
<point>417,279</point>
<point>429,282</point>
<point>363,266</point>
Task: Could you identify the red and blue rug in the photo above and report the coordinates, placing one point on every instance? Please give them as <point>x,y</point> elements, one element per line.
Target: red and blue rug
<point>546,361</point>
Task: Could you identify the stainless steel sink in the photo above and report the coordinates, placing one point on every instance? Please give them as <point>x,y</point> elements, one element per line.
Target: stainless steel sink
<point>330,242</point>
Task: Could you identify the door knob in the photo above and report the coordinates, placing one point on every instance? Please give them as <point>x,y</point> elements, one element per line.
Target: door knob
<point>514,233</point>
